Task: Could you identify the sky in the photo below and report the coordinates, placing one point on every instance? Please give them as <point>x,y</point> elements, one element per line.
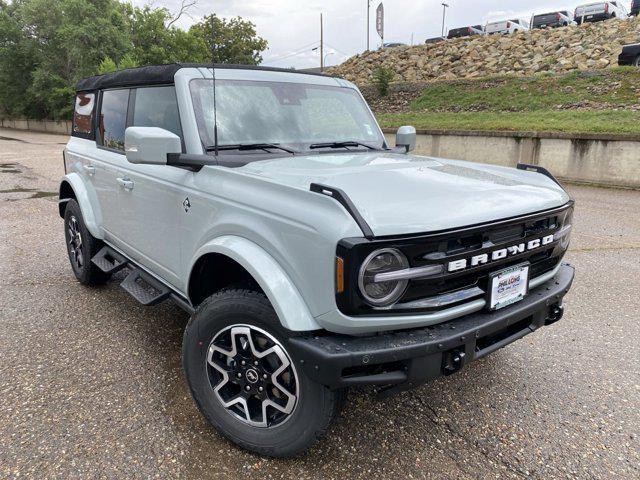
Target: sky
<point>292,27</point>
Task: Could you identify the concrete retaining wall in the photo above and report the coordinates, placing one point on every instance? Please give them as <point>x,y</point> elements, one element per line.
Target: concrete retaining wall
<point>49,126</point>
<point>608,160</point>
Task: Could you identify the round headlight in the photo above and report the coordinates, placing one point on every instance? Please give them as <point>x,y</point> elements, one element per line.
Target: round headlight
<point>380,294</point>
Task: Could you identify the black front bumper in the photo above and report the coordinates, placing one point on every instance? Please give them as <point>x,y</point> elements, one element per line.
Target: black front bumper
<point>409,358</point>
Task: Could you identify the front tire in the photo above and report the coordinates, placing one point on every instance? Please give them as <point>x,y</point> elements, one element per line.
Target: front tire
<point>81,247</point>
<point>246,383</point>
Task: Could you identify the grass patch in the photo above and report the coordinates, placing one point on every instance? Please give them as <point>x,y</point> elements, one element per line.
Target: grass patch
<point>600,102</point>
<point>618,86</point>
<point>573,121</point>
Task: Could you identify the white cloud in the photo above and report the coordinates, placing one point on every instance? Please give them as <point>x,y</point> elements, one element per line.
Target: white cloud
<point>292,27</point>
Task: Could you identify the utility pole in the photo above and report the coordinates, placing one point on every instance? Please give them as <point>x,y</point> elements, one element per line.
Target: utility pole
<point>321,45</point>
<point>444,12</point>
<point>368,22</point>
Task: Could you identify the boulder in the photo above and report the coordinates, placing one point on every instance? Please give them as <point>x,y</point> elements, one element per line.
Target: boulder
<point>583,47</point>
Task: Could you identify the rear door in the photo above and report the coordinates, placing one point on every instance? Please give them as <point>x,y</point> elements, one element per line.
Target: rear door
<point>151,198</point>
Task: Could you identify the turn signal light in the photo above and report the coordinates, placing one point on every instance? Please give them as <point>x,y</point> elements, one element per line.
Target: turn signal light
<point>339,275</point>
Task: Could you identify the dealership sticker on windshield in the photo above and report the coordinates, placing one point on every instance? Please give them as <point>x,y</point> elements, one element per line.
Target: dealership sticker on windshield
<point>508,286</point>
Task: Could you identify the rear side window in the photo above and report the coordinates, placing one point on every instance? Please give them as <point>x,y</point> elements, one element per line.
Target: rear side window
<point>157,107</point>
<point>113,118</point>
<point>83,115</point>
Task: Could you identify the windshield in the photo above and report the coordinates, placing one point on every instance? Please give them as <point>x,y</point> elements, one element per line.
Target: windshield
<point>294,115</point>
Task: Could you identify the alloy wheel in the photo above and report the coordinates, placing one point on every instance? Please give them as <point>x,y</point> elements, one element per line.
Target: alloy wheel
<point>252,375</point>
<point>75,243</point>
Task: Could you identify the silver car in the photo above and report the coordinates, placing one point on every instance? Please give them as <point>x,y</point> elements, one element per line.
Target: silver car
<point>310,254</point>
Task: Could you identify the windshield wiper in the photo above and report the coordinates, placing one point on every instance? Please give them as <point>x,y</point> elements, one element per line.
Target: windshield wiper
<point>349,143</point>
<point>252,146</point>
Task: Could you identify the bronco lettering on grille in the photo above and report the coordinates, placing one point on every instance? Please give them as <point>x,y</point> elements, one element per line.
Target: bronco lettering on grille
<point>483,258</point>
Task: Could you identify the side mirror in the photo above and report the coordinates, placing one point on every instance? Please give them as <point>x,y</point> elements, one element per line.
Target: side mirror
<point>150,145</point>
<point>406,138</point>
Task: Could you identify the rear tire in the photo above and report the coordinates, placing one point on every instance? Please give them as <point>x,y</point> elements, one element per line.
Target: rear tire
<point>81,247</point>
<point>219,358</point>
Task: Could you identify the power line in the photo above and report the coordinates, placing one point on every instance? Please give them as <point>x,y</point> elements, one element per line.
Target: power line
<point>293,53</point>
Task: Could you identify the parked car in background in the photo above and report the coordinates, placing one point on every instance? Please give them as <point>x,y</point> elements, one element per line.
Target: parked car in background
<point>597,12</point>
<point>635,8</point>
<point>561,18</point>
<point>394,44</point>
<point>465,31</point>
<point>434,40</point>
<point>506,26</point>
<point>630,55</point>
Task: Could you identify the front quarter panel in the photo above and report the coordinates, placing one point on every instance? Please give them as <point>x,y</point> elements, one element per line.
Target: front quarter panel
<point>297,229</point>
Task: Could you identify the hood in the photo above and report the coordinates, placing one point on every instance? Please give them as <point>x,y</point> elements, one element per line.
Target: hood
<point>401,194</point>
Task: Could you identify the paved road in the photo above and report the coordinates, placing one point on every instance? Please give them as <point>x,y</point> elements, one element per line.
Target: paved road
<point>91,383</point>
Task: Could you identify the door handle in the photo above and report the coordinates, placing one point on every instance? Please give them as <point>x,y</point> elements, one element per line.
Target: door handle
<point>125,183</point>
<point>90,169</point>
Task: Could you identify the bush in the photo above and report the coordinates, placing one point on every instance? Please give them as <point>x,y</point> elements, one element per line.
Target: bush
<point>382,78</point>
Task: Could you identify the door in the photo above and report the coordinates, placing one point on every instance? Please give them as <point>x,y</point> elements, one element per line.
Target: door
<point>109,158</point>
<point>150,197</point>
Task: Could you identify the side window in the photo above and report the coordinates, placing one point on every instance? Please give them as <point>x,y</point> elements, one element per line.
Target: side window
<point>83,115</point>
<point>157,107</point>
<point>113,118</point>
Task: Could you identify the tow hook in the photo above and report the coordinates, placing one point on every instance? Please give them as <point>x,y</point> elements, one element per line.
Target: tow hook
<point>555,314</point>
<point>452,361</point>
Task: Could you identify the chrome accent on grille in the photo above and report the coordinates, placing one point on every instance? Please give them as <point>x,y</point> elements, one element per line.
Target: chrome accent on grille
<point>409,274</point>
<point>460,295</point>
<point>444,300</point>
<point>534,282</point>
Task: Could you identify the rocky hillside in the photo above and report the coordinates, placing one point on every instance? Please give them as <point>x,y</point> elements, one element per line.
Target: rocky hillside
<point>584,47</point>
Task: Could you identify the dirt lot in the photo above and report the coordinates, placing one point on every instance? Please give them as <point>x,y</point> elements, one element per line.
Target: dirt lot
<point>91,383</point>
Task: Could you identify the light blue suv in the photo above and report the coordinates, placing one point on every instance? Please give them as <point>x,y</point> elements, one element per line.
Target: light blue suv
<point>310,255</point>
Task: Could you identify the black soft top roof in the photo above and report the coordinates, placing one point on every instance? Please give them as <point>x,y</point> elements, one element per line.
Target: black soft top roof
<point>160,75</point>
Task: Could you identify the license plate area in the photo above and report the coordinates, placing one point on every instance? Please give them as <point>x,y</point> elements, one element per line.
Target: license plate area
<point>508,286</point>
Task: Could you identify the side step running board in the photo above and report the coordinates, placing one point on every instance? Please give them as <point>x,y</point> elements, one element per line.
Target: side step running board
<point>109,261</point>
<point>144,288</point>
<point>139,284</point>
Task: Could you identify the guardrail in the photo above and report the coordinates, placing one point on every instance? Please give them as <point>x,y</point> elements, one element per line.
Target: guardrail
<point>596,159</point>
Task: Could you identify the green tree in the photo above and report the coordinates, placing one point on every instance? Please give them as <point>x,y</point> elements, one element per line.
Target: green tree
<point>382,78</point>
<point>18,58</point>
<point>60,41</point>
<point>228,41</point>
<point>46,46</point>
<point>107,65</point>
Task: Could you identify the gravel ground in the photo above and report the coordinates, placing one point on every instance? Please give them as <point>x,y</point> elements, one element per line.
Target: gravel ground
<point>91,383</point>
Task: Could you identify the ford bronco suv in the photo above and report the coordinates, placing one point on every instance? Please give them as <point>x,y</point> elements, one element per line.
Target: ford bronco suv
<point>310,255</point>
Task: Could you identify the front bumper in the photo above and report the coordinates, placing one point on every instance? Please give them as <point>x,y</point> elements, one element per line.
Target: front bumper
<point>409,358</point>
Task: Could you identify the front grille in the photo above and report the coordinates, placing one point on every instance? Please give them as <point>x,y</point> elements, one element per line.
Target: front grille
<point>444,247</point>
